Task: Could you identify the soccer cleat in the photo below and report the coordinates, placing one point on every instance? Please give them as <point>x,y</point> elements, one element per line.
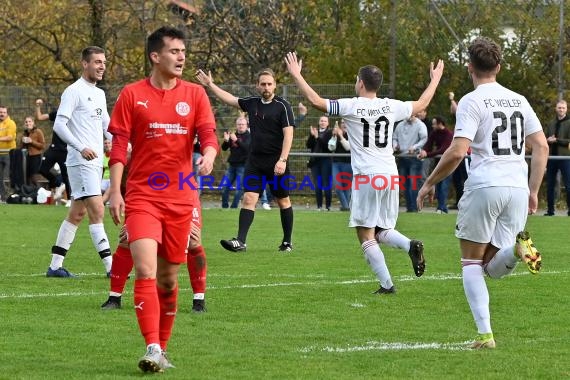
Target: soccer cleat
<point>285,247</point>
<point>266,206</point>
<point>151,360</point>
<point>164,362</point>
<point>233,245</point>
<point>199,306</point>
<point>527,252</point>
<point>112,303</point>
<point>59,272</point>
<point>416,254</point>
<point>382,290</point>
<point>483,341</point>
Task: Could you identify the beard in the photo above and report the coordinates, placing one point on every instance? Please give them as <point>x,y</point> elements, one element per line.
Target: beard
<point>266,95</point>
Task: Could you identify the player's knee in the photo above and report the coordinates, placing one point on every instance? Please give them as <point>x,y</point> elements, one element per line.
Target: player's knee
<point>167,283</point>
<point>76,216</point>
<point>284,202</point>
<point>250,199</point>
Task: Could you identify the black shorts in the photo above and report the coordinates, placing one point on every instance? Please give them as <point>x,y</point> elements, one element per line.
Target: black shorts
<point>260,173</point>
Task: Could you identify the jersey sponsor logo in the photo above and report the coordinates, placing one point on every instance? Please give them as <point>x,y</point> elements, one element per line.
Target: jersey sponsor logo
<point>144,104</point>
<point>182,108</point>
<point>169,129</point>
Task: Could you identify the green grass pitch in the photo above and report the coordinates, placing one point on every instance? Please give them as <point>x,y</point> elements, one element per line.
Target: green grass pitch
<point>305,315</point>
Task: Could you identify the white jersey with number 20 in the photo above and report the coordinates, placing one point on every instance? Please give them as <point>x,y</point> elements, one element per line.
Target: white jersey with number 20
<point>497,121</point>
<point>370,124</point>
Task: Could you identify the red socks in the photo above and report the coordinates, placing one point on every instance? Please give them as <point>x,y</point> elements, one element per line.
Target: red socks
<point>197,269</point>
<point>122,265</point>
<point>168,301</point>
<point>147,308</point>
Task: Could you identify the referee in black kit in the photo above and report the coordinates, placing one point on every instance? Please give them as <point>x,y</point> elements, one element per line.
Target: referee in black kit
<point>271,124</point>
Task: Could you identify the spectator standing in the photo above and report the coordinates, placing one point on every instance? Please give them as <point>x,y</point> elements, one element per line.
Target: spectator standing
<point>7,142</point>
<point>265,199</point>
<point>341,168</point>
<point>427,163</point>
<point>56,153</point>
<point>370,122</point>
<point>498,193</point>
<point>81,122</point>
<point>271,124</point>
<point>436,144</point>
<point>237,142</point>
<point>34,142</point>
<point>160,116</point>
<point>558,138</point>
<point>409,137</point>
<point>321,167</point>
<point>460,174</point>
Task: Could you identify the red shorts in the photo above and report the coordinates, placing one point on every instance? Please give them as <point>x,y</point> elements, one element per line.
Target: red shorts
<point>167,224</point>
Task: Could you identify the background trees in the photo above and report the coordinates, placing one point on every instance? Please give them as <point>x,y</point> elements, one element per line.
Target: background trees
<point>42,40</point>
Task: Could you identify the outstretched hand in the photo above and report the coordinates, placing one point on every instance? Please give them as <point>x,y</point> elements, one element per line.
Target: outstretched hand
<point>436,72</point>
<point>203,78</point>
<point>294,65</point>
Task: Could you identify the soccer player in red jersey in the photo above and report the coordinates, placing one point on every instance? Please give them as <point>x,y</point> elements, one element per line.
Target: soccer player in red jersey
<point>159,116</point>
<point>196,265</point>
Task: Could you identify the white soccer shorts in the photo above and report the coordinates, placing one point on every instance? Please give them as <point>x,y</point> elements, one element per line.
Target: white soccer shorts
<point>492,215</point>
<point>371,206</point>
<point>85,180</point>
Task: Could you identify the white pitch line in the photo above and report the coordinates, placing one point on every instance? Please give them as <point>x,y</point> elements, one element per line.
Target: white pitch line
<point>394,346</point>
<point>436,277</point>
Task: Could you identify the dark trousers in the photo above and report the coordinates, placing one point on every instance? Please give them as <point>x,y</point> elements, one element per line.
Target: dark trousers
<point>4,168</point>
<point>411,169</point>
<point>552,168</point>
<point>233,174</point>
<point>51,156</point>
<point>459,177</point>
<point>33,168</point>
<point>322,173</point>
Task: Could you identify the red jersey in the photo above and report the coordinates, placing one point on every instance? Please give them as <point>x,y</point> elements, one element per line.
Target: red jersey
<point>161,126</point>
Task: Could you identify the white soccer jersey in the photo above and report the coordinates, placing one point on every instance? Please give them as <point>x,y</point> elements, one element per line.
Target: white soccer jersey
<point>85,105</point>
<point>370,124</point>
<point>497,121</point>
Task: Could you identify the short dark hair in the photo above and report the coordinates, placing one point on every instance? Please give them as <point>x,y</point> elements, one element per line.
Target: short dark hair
<point>89,51</point>
<point>155,41</point>
<point>371,76</point>
<point>484,54</point>
<point>266,71</point>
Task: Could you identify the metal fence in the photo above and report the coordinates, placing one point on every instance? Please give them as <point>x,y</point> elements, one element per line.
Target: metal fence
<point>21,102</point>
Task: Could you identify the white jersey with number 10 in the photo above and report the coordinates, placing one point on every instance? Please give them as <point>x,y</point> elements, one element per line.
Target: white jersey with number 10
<point>370,125</point>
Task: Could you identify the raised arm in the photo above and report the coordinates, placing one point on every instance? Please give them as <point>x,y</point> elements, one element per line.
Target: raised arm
<point>39,115</point>
<point>294,68</point>
<point>207,81</point>
<point>435,74</point>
